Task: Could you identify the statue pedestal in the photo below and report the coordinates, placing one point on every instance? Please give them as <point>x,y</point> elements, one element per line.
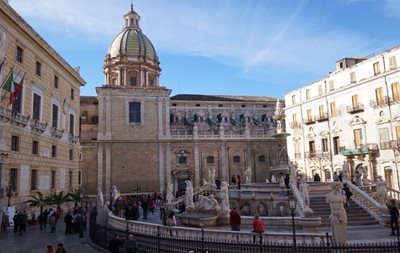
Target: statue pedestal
<point>310,225</point>
<point>339,232</point>
<point>223,217</point>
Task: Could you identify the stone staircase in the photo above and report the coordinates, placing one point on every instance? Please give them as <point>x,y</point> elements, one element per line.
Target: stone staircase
<point>356,216</point>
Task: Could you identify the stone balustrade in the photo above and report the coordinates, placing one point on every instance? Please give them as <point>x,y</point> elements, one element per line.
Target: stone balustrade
<point>38,126</point>
<point>150,229</point>
<point>254,133</point>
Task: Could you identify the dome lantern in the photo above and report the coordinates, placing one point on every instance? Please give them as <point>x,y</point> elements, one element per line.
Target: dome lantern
<point>132,20</point>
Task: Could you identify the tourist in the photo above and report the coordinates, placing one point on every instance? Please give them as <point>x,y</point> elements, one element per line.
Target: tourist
<point>24,221</point>
<point>45,218</point>
<point>394,216</point>
<point>68,223</point>
<point>287,180</point>
<point>49,249</point>
<point>238,181</point>
<point>233,180</point>
<point>52,223</point>
<point>317,178</point>
<point>335,177</point>
<point>16,222</point>
<point>145,207</point>
<point>171,221</point>
<point>114,244</point>
<point>130,244</point>
<point>258,227</point>
<point>60,248</point>
<point>235,219</point>
<point>341,176</point>
<point>347,194</point>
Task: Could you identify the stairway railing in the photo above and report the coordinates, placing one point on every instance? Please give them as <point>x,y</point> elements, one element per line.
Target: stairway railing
<point>302,209</point>
<point>205,189</point>
<point>364,200</point>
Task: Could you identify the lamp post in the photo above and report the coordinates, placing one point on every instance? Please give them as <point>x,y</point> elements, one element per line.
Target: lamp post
<point>292,208</point>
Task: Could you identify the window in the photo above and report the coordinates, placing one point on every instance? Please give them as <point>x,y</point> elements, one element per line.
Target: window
<point>38,69</point>
<point>293,99</point>
<point>377,69</point>
<point>53,151</point>
<point>379,96</point>
<point>71,154</point>
<point>79,177</point>
<point>182,160</point>
<point>236,159</point>
<point>134,112</point>
<point>261,159</point>
<point>331,85</point>
<point>333,109</point>
<point>384,138</point>
<point>13,179</point>
<point>54,120</point>
<point>311,148</point>
<point>308,94</point>
<point>392,62</point>
<point>70,179</point>
<point>72,93</point>
<point>37,100</point>
<point>33,179</point>
<point>396,91</point>
<point>71,124</point>
<point>56,82</point>
<point>336,145</point>
<point>357,138</point>
<point>35,147</point>
<point>398,132</point>
<point>133,81</point>
<point>294,120</point>
<point>320,91</point>
<point>353,78</point>
<point>354,101</point>
<point>297,153</point>
<point>210,159</point>
<point>324,145</point>
<point>309,115</point>
<point>14,143</point>
<point>321,111</point>
<point>53,179</point>
<point>20,55</point>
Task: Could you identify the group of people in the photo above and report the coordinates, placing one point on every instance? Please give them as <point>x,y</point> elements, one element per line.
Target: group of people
<point>235,222</point>
<point>117,241</point>
<point>60,249</point>
<point>236,181</point>
<point>75,221</point>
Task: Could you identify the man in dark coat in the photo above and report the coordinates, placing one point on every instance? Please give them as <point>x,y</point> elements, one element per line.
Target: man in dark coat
<point>68,223</point>
<point>115,243</point>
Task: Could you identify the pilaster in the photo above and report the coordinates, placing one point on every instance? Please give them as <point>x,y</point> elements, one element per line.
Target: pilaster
<point>169,163</point>
<point>108,169</point>
<point>100,166</point>
<point>108,117</point>
<point>196,164</point>
<point>161,166</point>
<point>223,163</point>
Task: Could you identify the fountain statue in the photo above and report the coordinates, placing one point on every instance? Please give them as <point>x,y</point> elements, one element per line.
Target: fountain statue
<point>247,173</point>
<point>189,195</point>
<point>381,190</point>
<point>114,194</point>
<point>225,196</point>
<point>170,194</point>
<point>338,214</point>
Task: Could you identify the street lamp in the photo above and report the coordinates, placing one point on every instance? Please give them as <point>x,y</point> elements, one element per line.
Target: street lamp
<point>292,208</point>
<point>9,193</point>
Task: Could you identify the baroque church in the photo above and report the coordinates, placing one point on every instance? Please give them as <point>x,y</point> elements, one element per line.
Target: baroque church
<point>136,136</point>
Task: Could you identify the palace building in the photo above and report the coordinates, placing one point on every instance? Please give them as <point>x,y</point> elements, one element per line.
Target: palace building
<point>136,136</point>
<point>39,124</point>
<point>352,115</point>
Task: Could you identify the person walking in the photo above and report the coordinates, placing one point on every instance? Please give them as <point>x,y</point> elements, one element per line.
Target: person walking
<point>115,243</point>
<point>130,244</point>
<point>347,194</point>
<point>238,181</point>
<point>52,223</point>
<point>145,207</point>
<point>258,227</point>
<point>60,248</point>
<point>171,221</point>
<point>68,223</point>
<point>235,219</point>
<point>394,216</point>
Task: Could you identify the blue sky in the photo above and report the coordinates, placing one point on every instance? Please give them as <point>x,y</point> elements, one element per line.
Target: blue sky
<point>222,47</point>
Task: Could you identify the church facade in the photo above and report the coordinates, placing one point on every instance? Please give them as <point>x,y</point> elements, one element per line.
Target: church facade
<point>136,136</point>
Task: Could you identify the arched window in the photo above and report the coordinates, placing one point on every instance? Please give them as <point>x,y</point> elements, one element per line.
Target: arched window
<point>261,159</point>
<point>210,159</point>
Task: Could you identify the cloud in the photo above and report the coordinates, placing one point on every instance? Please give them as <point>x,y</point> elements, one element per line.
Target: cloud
<point>251,35</point>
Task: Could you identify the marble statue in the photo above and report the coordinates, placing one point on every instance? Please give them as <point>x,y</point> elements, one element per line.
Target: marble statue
<point>358,178</point>
<point>247,173</point>
<point>102,213</point>
<point>170,194</point>
<point>114,194</point>
<point>345,171</point>
<point>267,180</point>
<point>189,194</point>
<point>293,172</point>
<point>100,198</point>
<point>381,190</point>
<point>304,191</point>
<point>207,203</point>
<point>225,196</point>
<point>273,179</point>
<point>338,214</point>
<point>212,178</point>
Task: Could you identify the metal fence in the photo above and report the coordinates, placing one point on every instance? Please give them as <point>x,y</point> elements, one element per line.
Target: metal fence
<point>101,235</point>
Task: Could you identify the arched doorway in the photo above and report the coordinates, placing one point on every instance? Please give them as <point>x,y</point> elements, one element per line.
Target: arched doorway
<point>389,177</point>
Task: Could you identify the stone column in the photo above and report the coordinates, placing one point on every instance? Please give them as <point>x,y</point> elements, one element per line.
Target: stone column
<point>101,117</point>
<point>147,78</point>
<point>169,163</point>
<point>100,166</point>
<point>160,119</point>
<point>161,166</point>
<point>127,82</point>
<point>196,164</point>
<point>167,124</point>
<point>141,84</point>
<point>108,116</point>
<point>224,172</point>
<point>108,169</point>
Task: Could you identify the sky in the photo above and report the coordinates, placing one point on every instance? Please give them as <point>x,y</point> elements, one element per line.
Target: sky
<point>221,47</point>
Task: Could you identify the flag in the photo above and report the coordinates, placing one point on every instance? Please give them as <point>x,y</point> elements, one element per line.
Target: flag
<point>7,83</point>
<point>15,94</point>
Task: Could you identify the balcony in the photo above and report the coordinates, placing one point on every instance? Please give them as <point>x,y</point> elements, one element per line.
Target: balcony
<point>355,109</point>
<point>385,145</point>
<point>318,155</point>
<point>38,126</point>
<point>309,121</point>
<point>294,125</point>
<point>322,117</point>
<point>359,149</point>
<point>13,117</point>
<point>385,101</point>
<point>72,138</point>
<point>55,132</point>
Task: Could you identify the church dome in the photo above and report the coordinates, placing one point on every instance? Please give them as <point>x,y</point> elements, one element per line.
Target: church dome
<point>132,43</point>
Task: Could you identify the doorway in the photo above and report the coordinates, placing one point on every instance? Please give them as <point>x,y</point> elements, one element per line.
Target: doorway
<point>389,177</point>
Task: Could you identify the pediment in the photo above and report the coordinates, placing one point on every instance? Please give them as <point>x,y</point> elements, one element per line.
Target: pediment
<point>357,121</point>
<point>296,138</point>
<point>381,121</point>
<point>324,134</point>
<point>311,135</point>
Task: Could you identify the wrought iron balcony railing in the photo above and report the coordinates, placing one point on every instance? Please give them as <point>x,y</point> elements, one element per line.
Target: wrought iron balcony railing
<point>355,109</point>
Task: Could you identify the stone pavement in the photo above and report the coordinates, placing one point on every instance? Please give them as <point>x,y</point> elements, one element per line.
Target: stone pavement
<point>36,240</point>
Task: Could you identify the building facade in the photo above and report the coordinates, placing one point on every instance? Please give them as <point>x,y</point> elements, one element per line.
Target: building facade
<point>39,128</point>
<point>350,115</point>
<point>137,137</point>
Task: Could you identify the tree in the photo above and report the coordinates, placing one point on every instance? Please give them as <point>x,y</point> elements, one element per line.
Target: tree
<point>75,196</point>
<point>38,200</point>
<point>58,199</point>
